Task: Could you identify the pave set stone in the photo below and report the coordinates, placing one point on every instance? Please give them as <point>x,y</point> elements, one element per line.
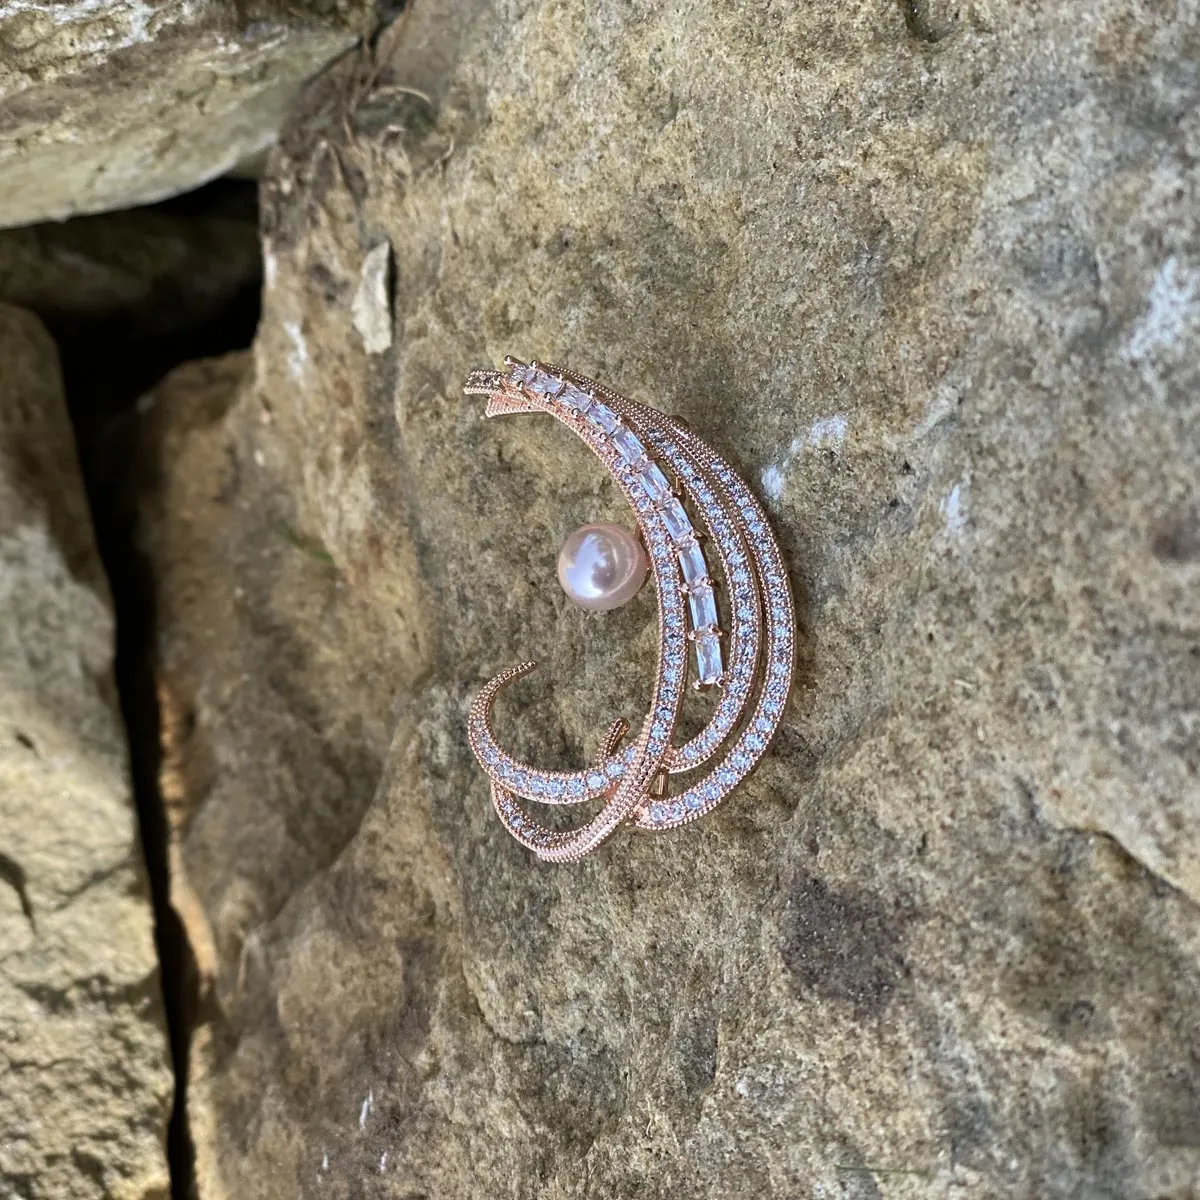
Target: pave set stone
<point>635,442</point>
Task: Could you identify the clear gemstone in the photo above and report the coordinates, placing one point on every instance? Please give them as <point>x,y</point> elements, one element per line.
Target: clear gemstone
<point>704,608</point>
<point>676,521</point>
<point>655,483</point>
<point>691,558</point>
<point>694,801</point>
<point>615,769</point>
<point>596,781</point>
<point>522,374</point>
<point>576,399</point>
<point>605,418</point>
<point>708,658</point>
<point>547,385</point>
<point>575,788</point>
<point>630,449</point>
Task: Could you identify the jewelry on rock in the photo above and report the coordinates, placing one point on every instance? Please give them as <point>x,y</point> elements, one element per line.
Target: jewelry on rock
<point>598,568</point>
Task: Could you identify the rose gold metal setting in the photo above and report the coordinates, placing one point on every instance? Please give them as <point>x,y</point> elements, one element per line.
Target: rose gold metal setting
<point>748,660</point>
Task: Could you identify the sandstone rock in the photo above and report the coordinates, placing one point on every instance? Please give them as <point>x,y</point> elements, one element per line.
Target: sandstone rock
<point>932,285</point>
<point>85,1085</point>
<point>111,105</point>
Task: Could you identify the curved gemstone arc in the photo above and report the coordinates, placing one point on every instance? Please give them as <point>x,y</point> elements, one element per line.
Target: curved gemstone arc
<point>635,443</point>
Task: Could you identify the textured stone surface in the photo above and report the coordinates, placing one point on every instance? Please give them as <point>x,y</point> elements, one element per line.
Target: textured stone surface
<point>109,105</point>
<point>85,1085</point>
<point>155,269</point>
<point>931,278</point>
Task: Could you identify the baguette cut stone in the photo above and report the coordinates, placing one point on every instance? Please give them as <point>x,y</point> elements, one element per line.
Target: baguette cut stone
<point>547,385</point>
<point>708,658</point>
<point>655,483</point>
<point>628,446</point>
<point>691,559</point>
<point>676,521</point>
<point>604,416</point>
<point>704,608</point>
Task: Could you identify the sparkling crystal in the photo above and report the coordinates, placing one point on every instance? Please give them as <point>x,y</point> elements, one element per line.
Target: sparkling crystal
<point>596,781</point>
<point>614,769</point>
<point>676,521</point>
<point>691,559</point>
<point>575,399</point>
<point>628,446</point>
<point>547,385</point>
<point>576,788</point>
<point>521,373</point>
<point>703,608</point>
<point>655,483</point>
<point>708,658</point>
<point>604,417</point>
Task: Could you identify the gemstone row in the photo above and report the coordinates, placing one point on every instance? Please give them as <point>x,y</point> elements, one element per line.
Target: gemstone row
<point>654,485</point>
<point>752,743</point>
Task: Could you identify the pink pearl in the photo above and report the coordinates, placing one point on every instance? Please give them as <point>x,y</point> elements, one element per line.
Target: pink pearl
<point>602,566</point>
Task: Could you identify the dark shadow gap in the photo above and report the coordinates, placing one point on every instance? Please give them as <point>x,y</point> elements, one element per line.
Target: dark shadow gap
<point>111,357</point>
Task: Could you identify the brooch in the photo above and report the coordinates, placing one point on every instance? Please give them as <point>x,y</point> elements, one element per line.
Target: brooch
<point>698,528</point>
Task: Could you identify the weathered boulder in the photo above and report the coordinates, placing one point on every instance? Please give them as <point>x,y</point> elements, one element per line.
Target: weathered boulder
<point>110,105</point>
<point>85,1082</point>
<point>933,285</point>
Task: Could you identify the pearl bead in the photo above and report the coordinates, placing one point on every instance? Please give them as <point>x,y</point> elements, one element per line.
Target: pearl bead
<point>602,566</point>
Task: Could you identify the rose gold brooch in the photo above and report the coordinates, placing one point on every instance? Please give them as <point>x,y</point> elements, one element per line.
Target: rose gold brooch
<point>601,566</point>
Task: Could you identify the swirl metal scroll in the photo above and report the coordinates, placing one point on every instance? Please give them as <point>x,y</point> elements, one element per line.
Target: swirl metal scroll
<point>750,662</point>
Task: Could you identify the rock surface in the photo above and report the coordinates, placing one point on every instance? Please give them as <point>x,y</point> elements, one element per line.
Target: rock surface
<point>153,269</point>
<point>110,105</point>
<point>930,277</point>
<point>85,1085</point>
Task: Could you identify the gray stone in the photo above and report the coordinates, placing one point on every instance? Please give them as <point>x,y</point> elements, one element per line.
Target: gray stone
<point>85,1084</point>
<point>107,106</point>
<point>145,273</point>
<point>933,286</point>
